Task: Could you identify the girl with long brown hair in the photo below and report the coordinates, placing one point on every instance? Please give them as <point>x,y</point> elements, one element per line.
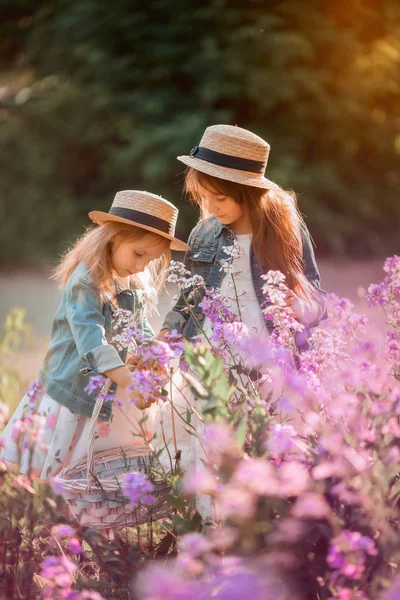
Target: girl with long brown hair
<point>240,208</point>
<point>225,178</point>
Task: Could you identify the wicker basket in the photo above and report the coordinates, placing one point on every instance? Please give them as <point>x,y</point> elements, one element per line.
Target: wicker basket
<point>92,486</point>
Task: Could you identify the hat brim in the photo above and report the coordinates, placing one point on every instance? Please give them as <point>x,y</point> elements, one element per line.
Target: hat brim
<point>100,217</point>
<point>243,177</point>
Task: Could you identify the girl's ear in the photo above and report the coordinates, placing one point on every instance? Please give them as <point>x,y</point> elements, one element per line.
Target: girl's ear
<point>115,241</point>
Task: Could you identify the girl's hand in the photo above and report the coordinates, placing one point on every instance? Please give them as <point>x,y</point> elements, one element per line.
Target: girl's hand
<point>296,304</point>
<point>120,375</point>
<point>140,402</point>
<point>162,333</point>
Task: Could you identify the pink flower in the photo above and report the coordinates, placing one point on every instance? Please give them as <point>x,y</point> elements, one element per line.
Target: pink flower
<point>194,544</point>
<point>75,545</point>
<point>280,440</point>
<point>199,481</point>
<point>51,421</point>
<point>293,479</point>
<point>18,431</point>
<point>103,430</point>
<point>311,506</point>
<point>256,476</point>
<point>236,503</point>
<point>62,531</point>
<point>219,442</point>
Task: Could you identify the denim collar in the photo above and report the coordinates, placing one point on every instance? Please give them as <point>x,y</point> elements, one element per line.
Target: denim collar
<point>218,226</point>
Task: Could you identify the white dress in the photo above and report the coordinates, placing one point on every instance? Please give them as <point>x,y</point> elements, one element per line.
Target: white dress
<point>246,303</point>
<point>62,435</point>
<point>174,429</point>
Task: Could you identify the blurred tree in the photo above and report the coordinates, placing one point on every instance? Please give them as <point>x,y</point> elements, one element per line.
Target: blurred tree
<point>121,88</point>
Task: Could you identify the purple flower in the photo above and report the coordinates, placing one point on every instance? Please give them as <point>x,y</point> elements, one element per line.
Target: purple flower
<point>88,595</point>
<point>84,595</point>
<point>138,488</point>
<point>62,531</point>
<point>145,384</point>
<point>257,348</point>
<point>59,571</point>
<point>229,333</point>
<point>255,475</point>
<point>393,593</point>
<point>200,481</point>
<point>57,486</point>
<point>174,341</point>
<point>347,553</point>
<point>161,352</point>
<point>280,440</point>
<point>75,545</point>
<point>194,544</point>
<point>214,307</point>
<point>34,392</point>
<point>378,294</point>
<point>311,506</point>
<point>164,584</point>
<point>126,329</point>
<point>220,443</point>
<point>95,383</point>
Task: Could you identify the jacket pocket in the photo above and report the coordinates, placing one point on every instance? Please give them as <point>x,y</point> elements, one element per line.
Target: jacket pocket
<point>197,256</point>
<point>201,261</point>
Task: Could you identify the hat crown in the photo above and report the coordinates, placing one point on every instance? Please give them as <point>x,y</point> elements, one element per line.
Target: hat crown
<point>147,203</point>
<point>235,141</point>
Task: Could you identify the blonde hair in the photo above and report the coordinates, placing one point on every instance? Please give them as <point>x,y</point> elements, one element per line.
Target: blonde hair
<point>275,221</point>
<point>94,250</point>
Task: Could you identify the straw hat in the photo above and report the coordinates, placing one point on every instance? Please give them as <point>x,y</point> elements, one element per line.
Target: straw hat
<point>143,210</point>
<point>231,153</point>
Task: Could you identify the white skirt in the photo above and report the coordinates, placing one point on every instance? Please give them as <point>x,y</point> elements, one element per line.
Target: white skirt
<point>58,437</point>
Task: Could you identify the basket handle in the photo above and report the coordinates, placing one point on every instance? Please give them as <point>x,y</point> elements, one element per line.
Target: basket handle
<point>91,476</point>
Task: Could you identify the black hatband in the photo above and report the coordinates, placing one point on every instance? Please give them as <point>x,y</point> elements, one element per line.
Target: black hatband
<point>226,160</point>
<point>141,218</point>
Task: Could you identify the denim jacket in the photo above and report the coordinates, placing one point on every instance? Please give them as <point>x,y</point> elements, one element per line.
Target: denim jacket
<point>81,345</point>
<point>206,243</point>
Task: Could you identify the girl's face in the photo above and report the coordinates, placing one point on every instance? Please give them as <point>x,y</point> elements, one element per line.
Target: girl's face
<point>225,208</point>
<point>132,256</point>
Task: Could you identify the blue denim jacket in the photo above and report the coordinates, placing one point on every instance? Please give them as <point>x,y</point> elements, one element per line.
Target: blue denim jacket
<point>206,243</point>
<point>81,345</point>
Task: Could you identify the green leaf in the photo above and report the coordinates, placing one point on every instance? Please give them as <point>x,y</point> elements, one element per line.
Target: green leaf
<point>241,431</point>
<point>182,525</point>
<point>175,501</point>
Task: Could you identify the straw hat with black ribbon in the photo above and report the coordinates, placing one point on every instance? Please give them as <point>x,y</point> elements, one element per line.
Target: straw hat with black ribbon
<point>144,210</point>
<point>231,153</point>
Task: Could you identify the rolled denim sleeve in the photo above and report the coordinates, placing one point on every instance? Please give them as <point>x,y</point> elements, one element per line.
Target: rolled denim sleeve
<point>312,274</point>
<point>87,324</point>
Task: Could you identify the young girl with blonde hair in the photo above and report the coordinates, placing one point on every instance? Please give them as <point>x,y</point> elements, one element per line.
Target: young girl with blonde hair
<point>118,264</point>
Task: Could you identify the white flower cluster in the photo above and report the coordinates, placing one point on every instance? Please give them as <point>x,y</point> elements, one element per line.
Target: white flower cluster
<point>177,273</point>
<point>275,288</point>
<point>125,324</point>
<point>233,252</point>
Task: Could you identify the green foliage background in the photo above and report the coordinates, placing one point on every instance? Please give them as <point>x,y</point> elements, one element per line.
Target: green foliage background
<point>97,96</point>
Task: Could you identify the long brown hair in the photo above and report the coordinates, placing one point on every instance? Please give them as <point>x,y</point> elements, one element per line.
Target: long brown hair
<point>275,223</point>
<point>94,250</point>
